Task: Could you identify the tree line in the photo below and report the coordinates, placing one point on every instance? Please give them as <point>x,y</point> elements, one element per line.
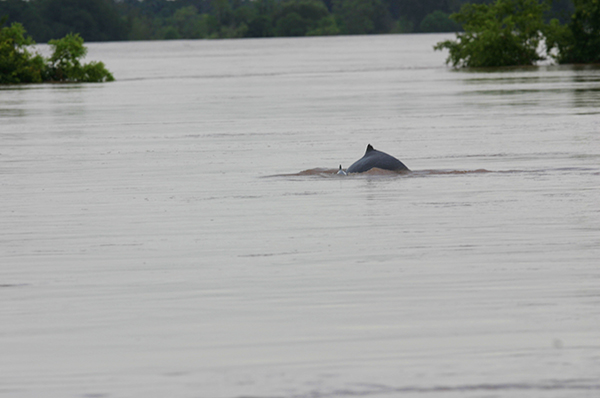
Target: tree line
<point>111,20</point>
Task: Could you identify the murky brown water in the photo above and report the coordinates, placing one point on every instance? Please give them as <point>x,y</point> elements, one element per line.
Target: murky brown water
<point>182,232</point>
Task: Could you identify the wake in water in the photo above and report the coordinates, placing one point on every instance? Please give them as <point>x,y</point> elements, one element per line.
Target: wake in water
<point>323,172</point>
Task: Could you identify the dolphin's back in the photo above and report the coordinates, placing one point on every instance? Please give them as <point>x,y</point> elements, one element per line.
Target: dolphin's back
<point>374,158</point>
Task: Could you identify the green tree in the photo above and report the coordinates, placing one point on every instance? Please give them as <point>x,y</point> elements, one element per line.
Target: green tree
<point>402,25</point>
<point>169,32</point>
<point>28,14</point>
<point>414,11</point>
<point>297,18</point>
<point>17,65</point>
<point>363,16</point>
<point>260,26</point>
<point>141,28</point>
<point>189,23</point>
<point>579,41</point>
<point>94,20</point>
<point>253,19</point>
<point>325,27</point>
<point>504,33</point>
<point>221,9</point>
<point>291,24</point>
<point>243,14</point>
<point>438,21</point>
<point>65,65</point>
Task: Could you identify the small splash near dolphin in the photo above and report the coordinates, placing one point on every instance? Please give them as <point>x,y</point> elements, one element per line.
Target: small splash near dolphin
<point>333,173</point>
<point>446,172</point>
<point>375,163</point>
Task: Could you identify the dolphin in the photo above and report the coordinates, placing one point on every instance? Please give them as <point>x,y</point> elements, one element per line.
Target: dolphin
<point>374,158</point>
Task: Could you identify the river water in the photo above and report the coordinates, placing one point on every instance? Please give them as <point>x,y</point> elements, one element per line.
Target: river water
<point>181,232</point>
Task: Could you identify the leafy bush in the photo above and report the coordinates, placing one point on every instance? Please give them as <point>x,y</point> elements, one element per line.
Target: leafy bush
<point>96,72</point>
<point>504,33</point>
<point>65,66</point>
<point>579,41</point>
<point>17,65</point>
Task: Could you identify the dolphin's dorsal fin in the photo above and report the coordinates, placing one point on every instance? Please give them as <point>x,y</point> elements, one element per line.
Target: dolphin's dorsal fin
<point>370,148</point>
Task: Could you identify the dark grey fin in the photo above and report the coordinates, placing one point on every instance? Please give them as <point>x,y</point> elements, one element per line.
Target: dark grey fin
<point>369,148</point>
<point>340,169</point>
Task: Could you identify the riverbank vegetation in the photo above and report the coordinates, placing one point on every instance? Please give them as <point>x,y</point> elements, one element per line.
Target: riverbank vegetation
<point>516,32</point>
<point>19,65</point>
<point>102,20</point>
<point>491,32</point>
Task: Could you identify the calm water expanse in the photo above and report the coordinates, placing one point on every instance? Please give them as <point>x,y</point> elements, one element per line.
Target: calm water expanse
<point>159,237</point>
